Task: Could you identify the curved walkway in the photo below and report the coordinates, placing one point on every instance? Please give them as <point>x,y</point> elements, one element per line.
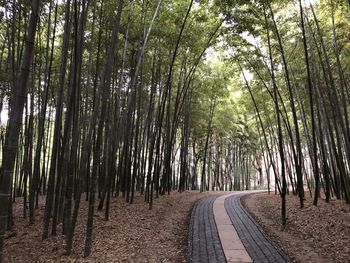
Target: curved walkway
<point>204,242</point>
<point>221,230</point>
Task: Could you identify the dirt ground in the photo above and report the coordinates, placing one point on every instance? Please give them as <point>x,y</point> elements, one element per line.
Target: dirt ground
<point>133,233</point>
<point>313,234</point>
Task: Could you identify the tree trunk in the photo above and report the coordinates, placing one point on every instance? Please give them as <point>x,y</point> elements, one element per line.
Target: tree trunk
<point>19,94</point>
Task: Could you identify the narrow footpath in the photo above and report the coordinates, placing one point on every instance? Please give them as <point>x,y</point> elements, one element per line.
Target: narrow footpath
<point>221,230</point>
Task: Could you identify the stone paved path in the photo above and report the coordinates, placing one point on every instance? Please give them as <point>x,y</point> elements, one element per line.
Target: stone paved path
<point>204,242</point>
<point>221,230</point>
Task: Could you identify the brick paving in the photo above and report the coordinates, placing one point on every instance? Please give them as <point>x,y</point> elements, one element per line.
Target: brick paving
<point>232,245</point>
<point>204,241</point>
<point>258,245</point>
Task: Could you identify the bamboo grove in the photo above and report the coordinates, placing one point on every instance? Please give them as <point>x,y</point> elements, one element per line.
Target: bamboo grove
<point>112,98</point>
<point>109,98</point>
<point>293,57</point>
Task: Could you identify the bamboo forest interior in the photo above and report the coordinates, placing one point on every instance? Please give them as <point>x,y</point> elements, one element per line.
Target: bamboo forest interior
<point>132,130</point>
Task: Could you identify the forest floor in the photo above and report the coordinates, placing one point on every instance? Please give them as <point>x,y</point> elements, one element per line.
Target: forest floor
<point>312,234</point>
<point>133,234</point>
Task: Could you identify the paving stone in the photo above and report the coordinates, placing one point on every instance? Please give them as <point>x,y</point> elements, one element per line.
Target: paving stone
<point>204,244</point>
<point>238,231</point>
<point>258,245</point>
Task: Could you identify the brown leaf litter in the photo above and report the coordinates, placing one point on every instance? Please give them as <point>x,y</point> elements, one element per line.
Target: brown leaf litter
<point>312,234</point>
<point>133,234</point>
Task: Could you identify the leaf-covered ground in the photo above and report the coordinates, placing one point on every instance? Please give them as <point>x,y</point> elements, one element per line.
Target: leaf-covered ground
<point>133,234</point>
<point>313,234</point>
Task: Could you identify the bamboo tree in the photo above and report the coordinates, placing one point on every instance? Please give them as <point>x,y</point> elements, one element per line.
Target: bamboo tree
<point>283,189</point>
<point>311,97</point>
<point>105,87</point>
<point>53,192</point>
<point>15,121</point>
<point>298,160</point>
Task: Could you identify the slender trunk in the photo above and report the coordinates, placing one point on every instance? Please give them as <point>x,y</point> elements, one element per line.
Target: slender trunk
<point>105,88</point>
<point>18,95</point>
<point>280,135</point>
<point>298,160</point>
<point>313,123</point>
